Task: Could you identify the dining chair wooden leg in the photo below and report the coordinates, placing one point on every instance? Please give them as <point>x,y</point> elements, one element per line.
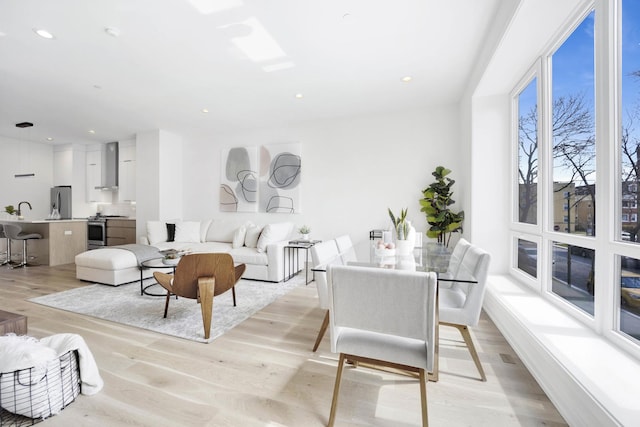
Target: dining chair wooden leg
<point>336,391</point>
<point>423,397</point>
<point>466,335</point>
<point>206,287</point>
<point>233,292</point>
<point>323,329</point>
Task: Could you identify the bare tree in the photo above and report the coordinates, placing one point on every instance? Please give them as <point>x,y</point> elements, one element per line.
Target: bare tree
<point>573,150</point>
<point>630,170</point>
<point>528,163</point>
<point>574,146</point>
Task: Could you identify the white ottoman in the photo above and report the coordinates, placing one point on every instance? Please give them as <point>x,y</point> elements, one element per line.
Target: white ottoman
<point>109,266</point>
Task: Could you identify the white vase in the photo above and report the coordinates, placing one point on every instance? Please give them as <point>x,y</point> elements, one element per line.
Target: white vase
<point>404,247</point>
<point>304,237</point>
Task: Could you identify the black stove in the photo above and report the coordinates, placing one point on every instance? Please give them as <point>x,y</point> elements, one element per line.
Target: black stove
<point>97,230</point>
<point>104,217</point>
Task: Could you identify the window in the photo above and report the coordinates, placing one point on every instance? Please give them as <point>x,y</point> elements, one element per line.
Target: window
<point>528,257</point>
<point>630,296</point>
<point>569,252</point>
<point>573,126</point>
<point>572,275</point>
<point>528,154</point>
<point>630,114</point>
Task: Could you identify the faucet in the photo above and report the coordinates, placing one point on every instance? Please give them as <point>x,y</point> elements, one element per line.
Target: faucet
<point>28,204</point>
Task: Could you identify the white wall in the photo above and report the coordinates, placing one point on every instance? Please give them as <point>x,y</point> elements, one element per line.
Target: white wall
<point>159,177</point>
<point>353,170</point>
<point>490,178</point>
<point>22,157</point>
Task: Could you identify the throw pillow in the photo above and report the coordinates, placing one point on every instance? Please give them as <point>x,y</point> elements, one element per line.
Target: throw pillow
<point>156,232</point>
<point>204,226</point>
<point>239,236</point>
<point>222,230</point>
<point>171,232</point>
<point>251,238</point>
<point>273,233</point>
<point>188,231</point>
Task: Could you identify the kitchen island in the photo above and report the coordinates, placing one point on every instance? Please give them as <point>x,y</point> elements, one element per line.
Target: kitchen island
<point>62,240</point>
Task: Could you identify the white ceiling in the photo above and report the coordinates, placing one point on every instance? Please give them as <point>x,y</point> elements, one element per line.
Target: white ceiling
<point>243,60</point>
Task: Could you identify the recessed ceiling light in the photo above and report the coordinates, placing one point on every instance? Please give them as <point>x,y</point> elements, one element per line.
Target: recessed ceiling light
<point>299,95</point>
<point>91,131</point>
<point>204,110</point>
<point>346,16</point>
<point>43,33</point>
<point>49,139</point>
<point>407,79</point>
<point>112,31</point>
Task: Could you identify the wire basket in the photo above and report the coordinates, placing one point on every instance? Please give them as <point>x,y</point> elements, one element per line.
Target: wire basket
<point>28,396</point>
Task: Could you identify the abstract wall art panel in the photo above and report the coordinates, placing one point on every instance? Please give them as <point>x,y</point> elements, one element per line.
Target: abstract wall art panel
<point>280,171</point>
<point>239,181</point>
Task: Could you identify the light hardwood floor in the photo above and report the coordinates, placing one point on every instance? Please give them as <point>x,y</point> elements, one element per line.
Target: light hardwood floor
<point>263,372</point>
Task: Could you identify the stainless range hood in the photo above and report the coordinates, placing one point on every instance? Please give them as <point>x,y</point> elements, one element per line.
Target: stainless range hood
<point>109,167</point>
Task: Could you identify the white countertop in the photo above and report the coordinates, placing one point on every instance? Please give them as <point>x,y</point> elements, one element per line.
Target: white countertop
<point>42,221</point>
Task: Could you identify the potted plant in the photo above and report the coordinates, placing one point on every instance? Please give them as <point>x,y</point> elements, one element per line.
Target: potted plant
<point>304,232</point>
<point>402,228</point>
<point>435,204</point>
<point>10,209</point>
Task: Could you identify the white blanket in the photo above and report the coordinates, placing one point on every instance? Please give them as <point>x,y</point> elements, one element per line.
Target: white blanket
<point>22,352</point>
<point>89,374</point>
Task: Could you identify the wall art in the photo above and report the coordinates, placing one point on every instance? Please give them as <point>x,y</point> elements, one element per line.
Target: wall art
<point>239,180</point>
<point>280,172</point>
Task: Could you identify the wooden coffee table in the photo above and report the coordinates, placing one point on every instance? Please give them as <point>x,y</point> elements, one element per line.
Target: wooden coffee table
<point>11,322</point>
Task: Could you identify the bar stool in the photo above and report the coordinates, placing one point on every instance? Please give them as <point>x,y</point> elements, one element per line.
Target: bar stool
<point>3,235</point>
<point>13,232</point>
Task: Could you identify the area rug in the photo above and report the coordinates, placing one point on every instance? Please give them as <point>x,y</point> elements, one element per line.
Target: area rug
<point>124,304</point>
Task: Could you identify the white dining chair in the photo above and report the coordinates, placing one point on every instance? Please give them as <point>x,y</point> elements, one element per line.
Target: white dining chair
<point>455,261</point>
<point>345,248</point>
<point>322,254</point>
<point>461,304</point>
<point>383,317</point>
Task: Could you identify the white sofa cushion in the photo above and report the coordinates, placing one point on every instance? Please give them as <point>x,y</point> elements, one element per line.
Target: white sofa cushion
<point>252,236</point>
<point>272,233</point>
<point>238,236</point>
<point>188,231</point>
<point>108,258</point>
<point>156,232</point>
<point>204,227</point>
<point>222,230</point>
<point>249,256</point>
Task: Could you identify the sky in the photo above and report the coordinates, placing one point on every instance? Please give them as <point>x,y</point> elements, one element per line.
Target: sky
<point>573,65</point>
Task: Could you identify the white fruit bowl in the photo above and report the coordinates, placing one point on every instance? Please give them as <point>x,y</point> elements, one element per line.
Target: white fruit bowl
<point>384,252</point>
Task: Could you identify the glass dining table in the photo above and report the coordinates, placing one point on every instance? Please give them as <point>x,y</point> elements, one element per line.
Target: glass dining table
<point>417,261</point>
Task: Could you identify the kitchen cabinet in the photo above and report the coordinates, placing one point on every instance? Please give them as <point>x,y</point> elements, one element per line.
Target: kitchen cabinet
<point>62,166</point>
<point>61,240</point>
<point>127,173</point>
<point>121,231</point>
<point>94,176</point>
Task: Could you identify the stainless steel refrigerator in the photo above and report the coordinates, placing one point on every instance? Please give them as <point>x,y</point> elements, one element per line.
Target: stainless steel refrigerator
<point>61,201</point>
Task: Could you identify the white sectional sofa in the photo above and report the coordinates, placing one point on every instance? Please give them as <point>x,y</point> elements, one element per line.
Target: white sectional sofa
<point>261,248</point>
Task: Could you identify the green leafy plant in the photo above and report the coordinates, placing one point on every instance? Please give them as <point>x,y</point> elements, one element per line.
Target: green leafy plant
<point>305,229</point>
<point>400,224</point>
<point>10,210</point>
<point>435,205</point>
